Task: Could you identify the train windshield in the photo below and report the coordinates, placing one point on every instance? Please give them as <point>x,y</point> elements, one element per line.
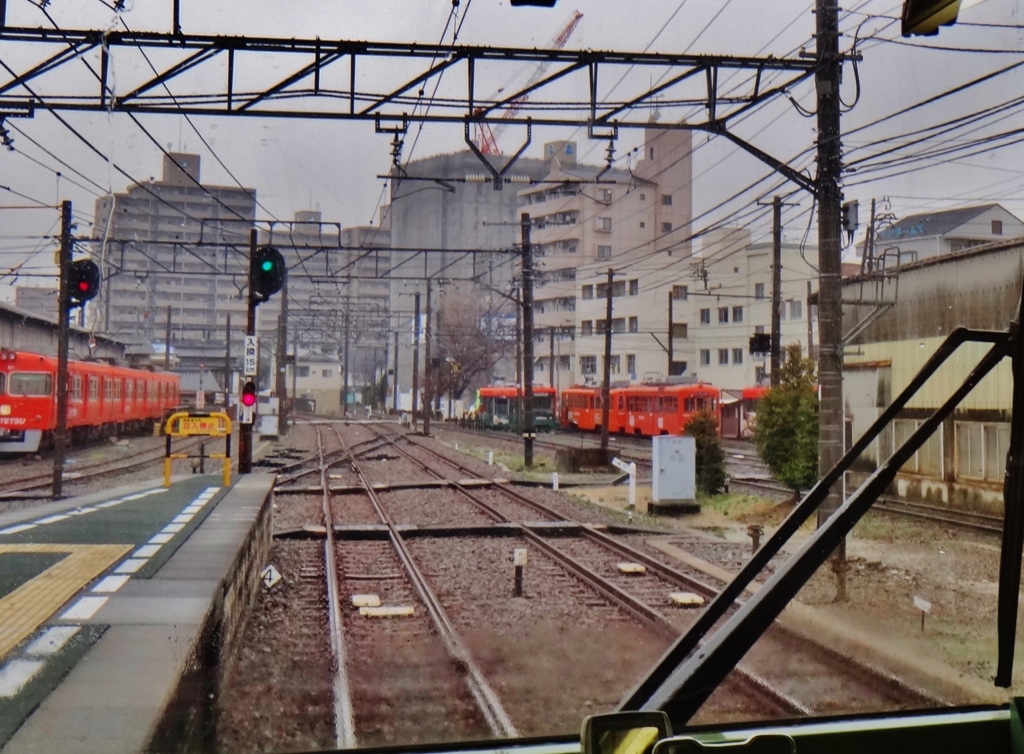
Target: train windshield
<point>542,402</point>
<point>30,384</point>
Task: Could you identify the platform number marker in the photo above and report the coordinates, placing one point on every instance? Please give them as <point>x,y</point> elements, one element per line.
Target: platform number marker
<point>270,576</point>
<point>924,606</point>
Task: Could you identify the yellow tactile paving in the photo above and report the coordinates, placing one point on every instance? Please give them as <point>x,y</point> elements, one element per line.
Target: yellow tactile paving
<point>24,609</point>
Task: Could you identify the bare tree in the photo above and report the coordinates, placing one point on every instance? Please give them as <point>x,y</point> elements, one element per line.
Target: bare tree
<point>470,340</point>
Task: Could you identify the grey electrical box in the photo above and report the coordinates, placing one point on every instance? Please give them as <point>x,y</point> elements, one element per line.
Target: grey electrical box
<point>674,487</point>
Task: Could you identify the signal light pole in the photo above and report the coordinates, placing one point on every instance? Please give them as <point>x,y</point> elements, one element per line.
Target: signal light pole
<point>245,430</point>
<point>528,433</point>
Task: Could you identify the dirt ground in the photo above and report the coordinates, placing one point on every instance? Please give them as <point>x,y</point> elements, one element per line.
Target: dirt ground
<point>891,561</point>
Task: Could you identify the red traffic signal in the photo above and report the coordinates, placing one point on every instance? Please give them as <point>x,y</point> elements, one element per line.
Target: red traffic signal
<point>83,281</point>
<point>249,394</point>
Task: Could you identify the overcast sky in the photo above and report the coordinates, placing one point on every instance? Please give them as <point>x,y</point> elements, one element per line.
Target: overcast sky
<point>332,166</point>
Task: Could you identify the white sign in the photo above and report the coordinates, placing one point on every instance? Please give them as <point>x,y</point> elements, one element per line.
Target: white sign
<point>251,357</point>
<point>923,605</point>
<point>200,399</point>
<point>620,465</point>
<point>269,576</point>
<point>246,415</point>
<point>519,556</point>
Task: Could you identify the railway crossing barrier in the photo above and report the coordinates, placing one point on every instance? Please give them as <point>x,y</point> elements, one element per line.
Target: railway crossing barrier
<point>198,423</point>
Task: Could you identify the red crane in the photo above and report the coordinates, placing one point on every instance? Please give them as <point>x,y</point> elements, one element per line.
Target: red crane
<point>487,137</point>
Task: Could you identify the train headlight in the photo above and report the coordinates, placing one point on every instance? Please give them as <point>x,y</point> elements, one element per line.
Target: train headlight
<point>5,410</point>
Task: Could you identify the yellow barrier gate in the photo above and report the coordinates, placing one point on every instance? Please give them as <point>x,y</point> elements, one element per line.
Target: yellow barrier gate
<point>192,423</point>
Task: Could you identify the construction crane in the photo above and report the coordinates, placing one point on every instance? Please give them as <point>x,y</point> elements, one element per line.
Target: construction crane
<point>487,137</point>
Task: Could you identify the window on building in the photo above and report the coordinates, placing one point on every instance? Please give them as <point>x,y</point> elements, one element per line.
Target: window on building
<point>643,224</point>
<point>705,316</point>
<point>705,357</point>
<point>997,227</point>
<point>606,195</point>
<point>302,371</point>
<point>325,373</point>
<point>723,356</point>
<point>631,364</point>
<point>604,224</point>
<point>634,287</point>
<point>680,330</point>
<point>759,329</point>
<point>619,324</point>
<point>666,227</point>
<point>796,309</point>
<point>677,368</point>
<point>643,197</point>
<point>737,356</point>
<point>618,289</point>
<point>666,200</point>
<point>615,364</point>
<point>759,290</point>
<point>737,314</point>
<point>564,363</point>
<point>588,292</point>
<point>760,375</point>
<point>723,315</point>
<point>586,327</point>
<point>680,292</point>
<point>634,324</point>
<point>588,364</point>
<point>604,252</point>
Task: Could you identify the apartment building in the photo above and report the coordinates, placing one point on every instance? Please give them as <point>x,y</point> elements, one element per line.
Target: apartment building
<point>587,219</point>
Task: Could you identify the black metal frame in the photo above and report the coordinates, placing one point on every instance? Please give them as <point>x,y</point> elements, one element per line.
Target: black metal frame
<point>691,670</point>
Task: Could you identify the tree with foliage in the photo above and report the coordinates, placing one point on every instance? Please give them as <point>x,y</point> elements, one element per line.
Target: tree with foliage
<point>710,460</point>
<point>786,433</point>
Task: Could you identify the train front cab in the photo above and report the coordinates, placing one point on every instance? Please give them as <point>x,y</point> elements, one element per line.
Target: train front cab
<point>26,401</point>
<point>580,408</point>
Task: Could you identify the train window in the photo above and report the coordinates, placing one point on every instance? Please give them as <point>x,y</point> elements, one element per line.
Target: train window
<point>107,389</point>
<point>76,388</point>
<point>128,390</point>
<point>3,381</point>
<point>31,383</point>
<point>94,388</point>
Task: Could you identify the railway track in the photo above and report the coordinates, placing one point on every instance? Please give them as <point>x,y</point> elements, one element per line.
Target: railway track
<point>21,487</point>
<point>594,557</point>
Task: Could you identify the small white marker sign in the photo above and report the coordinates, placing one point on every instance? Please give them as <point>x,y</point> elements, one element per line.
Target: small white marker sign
<point>519,556</point>
<point>923,605</point>
<point>619,464</point>
<point>251,356</point>
<point>269,576</point>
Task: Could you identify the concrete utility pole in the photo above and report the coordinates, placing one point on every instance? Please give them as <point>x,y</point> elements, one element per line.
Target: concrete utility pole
<point>776,352</point>
<point>167,342</point>
<point>519,359</point>
<point>528,433</point>
<point>606,382</point>
<point>830,310</point>
<point>394,386</point>
<point>227,360</point>
<point>428,373</point>
<point>551,356</point>
<point>60,433</point>
<point>415,359</point>
<point>671,350</point>
<point>281,383</point>
<point>344,356</point>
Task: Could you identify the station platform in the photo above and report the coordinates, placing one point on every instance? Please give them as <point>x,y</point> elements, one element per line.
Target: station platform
<point>117,609</point>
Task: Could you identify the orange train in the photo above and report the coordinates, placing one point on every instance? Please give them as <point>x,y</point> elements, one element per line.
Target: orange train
<point>645,410</point>
<point>102,399</point>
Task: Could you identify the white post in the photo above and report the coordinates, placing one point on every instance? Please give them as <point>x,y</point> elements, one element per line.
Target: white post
<point>632,485</point>
<point>490,457</point>
<point>456,446</point>
<point>554,480</point>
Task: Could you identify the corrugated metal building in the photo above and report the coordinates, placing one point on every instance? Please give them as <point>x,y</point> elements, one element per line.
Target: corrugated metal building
<point>916,309</point>
<point>25,331</point>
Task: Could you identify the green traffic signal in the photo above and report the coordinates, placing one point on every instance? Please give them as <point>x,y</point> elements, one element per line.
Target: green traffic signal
<point>267,273</point>
<point>268,265</point>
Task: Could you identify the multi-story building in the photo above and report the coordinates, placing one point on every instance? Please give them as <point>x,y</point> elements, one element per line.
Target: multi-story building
<point>147,241</point>
<point>934,234</point>
<point>588,219</point>
<point>41,301</point>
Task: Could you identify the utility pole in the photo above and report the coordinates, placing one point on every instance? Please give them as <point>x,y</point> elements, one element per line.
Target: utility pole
<point>776,352</point>
<point>519,360</point>
<point>344,356</point>
<point>394,387</point>
<point>295,367</point>
<point>606,383</point>
<point>60,435</point>
<point>245,430</point>
<point>167,342</point>
<point>227,361</point>
<point>416,360</point>
<point>671,345</point>
<point>867,259</point>
<point>551,356</point>
<point>528,433</point>
<point>281,383</point>
<point>830,310</point>
<point>810,324</point>
<point>428,372</point>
